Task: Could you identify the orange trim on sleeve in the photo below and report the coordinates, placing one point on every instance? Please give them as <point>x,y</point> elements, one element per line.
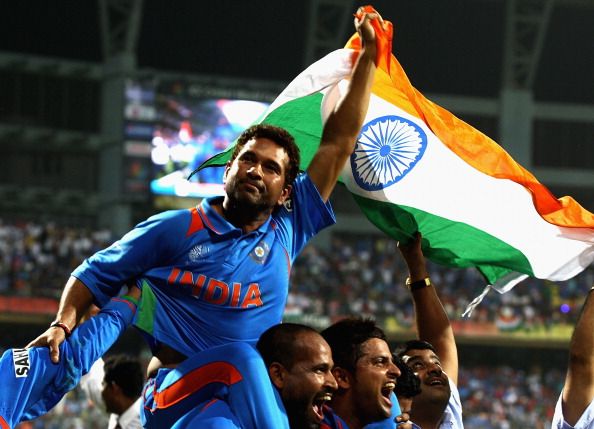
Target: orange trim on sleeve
<point>215,372</point>
<point>195,222</point>
<point>3,424</point>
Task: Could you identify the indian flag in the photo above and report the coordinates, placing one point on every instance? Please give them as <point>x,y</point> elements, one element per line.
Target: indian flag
<point>417,167</point>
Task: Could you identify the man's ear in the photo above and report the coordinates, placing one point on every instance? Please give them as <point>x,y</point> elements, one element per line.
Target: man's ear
<point>343,377</point>
<point>227,168</point>
<point>277,373</point>
<point>285,195</point>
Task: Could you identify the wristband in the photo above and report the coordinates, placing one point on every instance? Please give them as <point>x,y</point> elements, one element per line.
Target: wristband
<point>419,284</point>
<point>66,329</point>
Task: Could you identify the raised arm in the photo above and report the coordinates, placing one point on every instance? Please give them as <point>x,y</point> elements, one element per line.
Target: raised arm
<point>579,382</point>
<point>76,300</point>
<point>344,124</point>
<point>431,320</point>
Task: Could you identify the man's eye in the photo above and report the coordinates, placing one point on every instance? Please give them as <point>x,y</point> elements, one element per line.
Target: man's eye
<point>273,168</point>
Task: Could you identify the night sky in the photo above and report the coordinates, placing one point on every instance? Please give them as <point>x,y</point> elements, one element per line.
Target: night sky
<point>446,46</point>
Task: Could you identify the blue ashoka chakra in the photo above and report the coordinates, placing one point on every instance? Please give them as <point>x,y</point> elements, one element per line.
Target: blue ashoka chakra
<point>387,149</point>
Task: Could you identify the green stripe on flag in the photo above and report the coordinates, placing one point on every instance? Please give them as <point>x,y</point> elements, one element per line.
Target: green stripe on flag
<point>453,244</point>
<point>303,119</point>
<point>300,117</point>
<point>145,315</point>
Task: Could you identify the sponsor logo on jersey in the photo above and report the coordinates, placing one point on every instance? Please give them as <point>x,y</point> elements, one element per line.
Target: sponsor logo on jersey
<point>198,252</point>
<point>216,291</point>
<point>260,252</point>
<point>20,358</point>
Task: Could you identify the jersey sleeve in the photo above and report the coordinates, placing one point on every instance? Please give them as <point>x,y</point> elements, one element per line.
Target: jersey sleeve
<point>151,243</point>
<point>303,215</point>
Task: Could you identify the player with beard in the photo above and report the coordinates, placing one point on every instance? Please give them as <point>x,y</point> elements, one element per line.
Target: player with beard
<point>434,356</point>
<point>299,363</point>
<point>366,375</point>
<point>218,273</point>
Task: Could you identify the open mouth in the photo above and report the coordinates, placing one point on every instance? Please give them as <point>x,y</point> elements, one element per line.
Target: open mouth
<point>318,404</point>
<point>435,382</point>
<point>387,390</point>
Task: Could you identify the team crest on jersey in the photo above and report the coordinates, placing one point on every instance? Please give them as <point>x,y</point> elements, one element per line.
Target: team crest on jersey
<point>198,252</point>
<point>260,253</point>
<point>20,358</point>
<point>288,204</point>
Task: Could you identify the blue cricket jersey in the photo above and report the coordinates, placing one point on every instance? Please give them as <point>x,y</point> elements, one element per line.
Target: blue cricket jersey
<point>205,283</point>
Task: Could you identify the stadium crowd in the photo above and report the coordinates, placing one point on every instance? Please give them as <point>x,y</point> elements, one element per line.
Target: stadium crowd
<point>362,274</point>
<point>355,274</point>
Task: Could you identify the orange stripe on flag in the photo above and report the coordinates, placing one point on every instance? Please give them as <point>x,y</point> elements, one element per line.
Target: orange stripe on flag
<point>383,36</point>
<point>216,372</point>
<point>475,148</point>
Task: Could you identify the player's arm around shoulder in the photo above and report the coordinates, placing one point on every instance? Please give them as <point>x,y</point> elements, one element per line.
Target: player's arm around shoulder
<point>344,123</point>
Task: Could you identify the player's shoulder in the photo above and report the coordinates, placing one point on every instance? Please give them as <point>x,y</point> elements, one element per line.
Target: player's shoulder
<point>170,221</point>
<point>171,215</point>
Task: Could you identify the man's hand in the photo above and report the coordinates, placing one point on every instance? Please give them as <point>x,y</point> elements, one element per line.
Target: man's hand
<point>51,338</point>
<point>403,421</point>
<point>134,291</point>
<point>364,28</point>
<point>413,255</point>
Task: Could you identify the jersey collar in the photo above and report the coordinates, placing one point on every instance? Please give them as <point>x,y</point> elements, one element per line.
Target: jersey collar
<point>218,224</point>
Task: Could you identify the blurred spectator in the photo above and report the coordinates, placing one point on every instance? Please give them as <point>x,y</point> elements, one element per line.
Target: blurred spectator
<point>361,275</point>
<point>35,259</point>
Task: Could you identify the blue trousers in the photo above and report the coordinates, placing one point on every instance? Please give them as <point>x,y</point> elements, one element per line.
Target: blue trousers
<point>228,385</point>
<point>32,384</point>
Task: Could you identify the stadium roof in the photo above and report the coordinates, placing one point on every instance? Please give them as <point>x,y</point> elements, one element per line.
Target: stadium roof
<point>453,46</point>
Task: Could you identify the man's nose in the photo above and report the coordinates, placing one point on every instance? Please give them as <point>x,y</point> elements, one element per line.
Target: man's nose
<point>330,381</point>
<point>255,170</point>
<point>394,370</point>
<point>434,369</point>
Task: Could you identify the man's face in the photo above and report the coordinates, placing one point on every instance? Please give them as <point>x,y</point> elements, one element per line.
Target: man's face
<point>374,381</point>
<point>435,386</point>
<point>309,384</point>
<point>256,177</point>
<point>108,392</point>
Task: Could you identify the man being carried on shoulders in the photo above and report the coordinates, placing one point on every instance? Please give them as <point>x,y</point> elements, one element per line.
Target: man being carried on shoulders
<point>218,273</point>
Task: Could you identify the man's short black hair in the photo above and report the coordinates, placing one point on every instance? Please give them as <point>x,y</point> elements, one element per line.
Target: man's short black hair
<point>414,345</point>
<point>408,384</point>
<point>279,343</point>
<point>126,372</point>
<point>278,135</point>
<point>346,337</point>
